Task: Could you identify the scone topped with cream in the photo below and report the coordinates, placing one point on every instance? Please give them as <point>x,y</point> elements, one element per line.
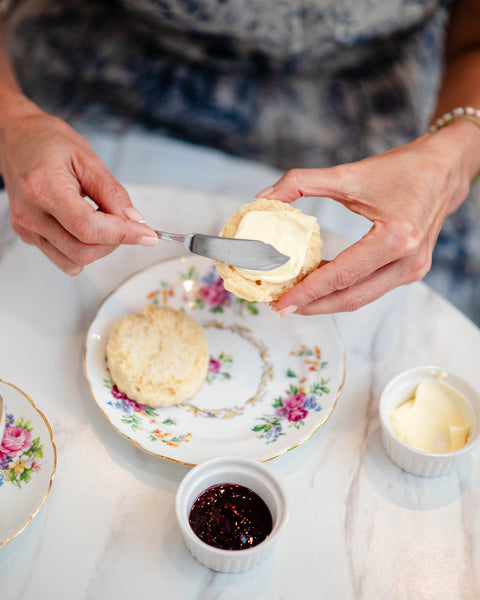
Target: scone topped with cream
<point>286,228</point>
<point>158,357</point>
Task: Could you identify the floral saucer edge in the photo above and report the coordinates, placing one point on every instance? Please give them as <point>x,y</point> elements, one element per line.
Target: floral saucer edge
<point>31,411</point>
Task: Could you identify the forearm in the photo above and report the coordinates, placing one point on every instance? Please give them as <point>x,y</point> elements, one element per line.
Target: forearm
<point>12,101</point>
<point>8,79</point>
<point>460,86</point>
<point>461,82</point>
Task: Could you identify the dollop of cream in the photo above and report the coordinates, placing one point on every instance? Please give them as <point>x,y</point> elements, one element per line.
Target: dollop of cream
<point>434,419</point>
<point>287,231</point>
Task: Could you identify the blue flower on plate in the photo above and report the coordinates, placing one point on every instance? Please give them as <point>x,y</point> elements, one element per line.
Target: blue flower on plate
<point>311,403</point>
<point>210,277</point>
<point>123,405</point>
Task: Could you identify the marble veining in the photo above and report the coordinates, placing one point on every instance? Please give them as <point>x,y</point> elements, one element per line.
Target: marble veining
<point>359,527</point>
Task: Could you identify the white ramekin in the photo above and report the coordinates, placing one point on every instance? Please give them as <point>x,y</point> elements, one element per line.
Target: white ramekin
<point>413,460</point>
<point>237,470</point>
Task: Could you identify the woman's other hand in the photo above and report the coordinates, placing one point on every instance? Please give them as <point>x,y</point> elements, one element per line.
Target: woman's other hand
<point>48,170</point>
<point>406,193</point>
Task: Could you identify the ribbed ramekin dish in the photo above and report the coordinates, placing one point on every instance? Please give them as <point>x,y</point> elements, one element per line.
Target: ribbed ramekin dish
<point>235,470</point>
<point>415,461</point>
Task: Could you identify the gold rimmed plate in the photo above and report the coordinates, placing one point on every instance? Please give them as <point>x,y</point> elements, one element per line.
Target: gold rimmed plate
<point>271,382</point>
<point>28,461</point>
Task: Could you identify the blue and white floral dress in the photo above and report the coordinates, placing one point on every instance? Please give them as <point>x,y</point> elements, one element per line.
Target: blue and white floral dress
<point>290,83</point>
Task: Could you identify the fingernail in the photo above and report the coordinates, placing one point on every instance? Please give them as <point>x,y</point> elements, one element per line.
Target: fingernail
<point>264,193</point>
<point>288,310</point>
<point>148,240</point>
<point>133,214</point>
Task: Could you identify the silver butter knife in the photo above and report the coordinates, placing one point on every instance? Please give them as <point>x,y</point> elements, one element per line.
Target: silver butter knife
<point>246,254</point>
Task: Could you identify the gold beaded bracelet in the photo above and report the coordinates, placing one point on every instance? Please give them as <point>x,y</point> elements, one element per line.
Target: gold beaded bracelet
<point>467,113</point>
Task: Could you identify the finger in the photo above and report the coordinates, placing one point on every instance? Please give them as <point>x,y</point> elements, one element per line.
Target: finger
<point>59,259</point>
<point>296,183</point>
<point>69,248</point>
<point>397,273</point>
<point>104,189</point>
<point>53,254</point>
<point>368,290</point>
<point>99,184</point>
<point>379,247</point>
<point>83,222</point>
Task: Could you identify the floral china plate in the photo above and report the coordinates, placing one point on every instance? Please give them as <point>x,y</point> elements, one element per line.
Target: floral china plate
<point>28,461</point>
<point>271,382</point>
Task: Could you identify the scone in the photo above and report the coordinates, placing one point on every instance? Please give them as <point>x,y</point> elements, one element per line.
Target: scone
<point>290,231</point>
<point>158,357</point>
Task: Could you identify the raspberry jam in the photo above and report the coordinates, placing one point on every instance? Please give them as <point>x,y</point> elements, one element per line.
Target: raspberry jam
<point>231,517</point>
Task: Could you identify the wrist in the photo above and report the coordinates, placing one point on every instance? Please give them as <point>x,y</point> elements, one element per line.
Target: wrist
<point>15,105</point>
<point>460,142</point>
<point>16,113</point>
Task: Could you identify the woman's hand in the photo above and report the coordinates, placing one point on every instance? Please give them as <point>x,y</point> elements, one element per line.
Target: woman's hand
<point>48,169</point>
<point>406,193</point>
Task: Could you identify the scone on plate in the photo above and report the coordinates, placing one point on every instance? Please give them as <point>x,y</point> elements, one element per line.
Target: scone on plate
<point>158,357</point>
<point>287,229</point>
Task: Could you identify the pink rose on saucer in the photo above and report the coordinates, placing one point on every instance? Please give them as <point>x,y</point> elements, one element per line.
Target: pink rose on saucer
<point>15,441</point>
<point>293,408</point>
<point>297,414</point>
<point>293,402</point>
<point>214,366</point>
<point>214,294</point>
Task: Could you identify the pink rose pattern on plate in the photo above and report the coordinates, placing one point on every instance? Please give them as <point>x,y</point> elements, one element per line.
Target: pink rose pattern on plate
<point>211,295</point>
<point>289,410</point>
<point>205,293</point>
<point>140,417</point>
<point>19,452</point>
<point>218,368</point>
<point>292,408</point>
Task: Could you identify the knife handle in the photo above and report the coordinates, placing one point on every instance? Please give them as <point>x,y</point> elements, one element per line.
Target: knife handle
<point>174,237</point>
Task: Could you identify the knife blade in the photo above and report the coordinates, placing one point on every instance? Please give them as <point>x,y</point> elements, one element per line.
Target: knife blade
<point>246,254</point>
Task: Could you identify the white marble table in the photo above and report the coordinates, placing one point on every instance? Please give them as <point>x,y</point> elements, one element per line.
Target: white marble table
<point>359,527</point>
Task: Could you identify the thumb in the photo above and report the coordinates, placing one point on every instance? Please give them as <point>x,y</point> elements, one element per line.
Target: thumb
<point>296,183</point>
<point>105,190</point>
